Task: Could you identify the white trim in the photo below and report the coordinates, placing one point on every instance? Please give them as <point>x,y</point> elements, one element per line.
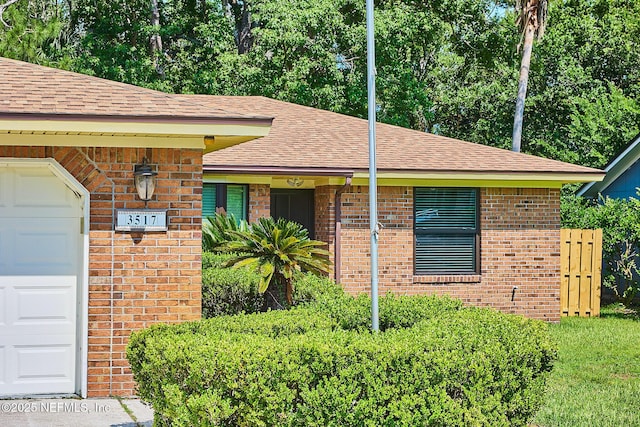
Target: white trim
<point>614,169</point>
<point>97,140</point>
<point>137,128</point>
<point>560,177</point>
<point>83,282</point>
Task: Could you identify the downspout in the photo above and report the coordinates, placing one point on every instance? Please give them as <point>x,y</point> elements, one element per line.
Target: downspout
<point>338,205</point>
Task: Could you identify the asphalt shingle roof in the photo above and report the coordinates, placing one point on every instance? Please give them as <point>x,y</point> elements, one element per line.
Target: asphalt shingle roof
<point>307,137</point>
<point>33,89</point>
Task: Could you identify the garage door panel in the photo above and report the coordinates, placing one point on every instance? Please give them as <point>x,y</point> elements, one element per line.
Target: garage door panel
<point>39,188</point>
<point>4,312</point>
<point>48,245</point>
<point>34,193</point>
<point>39,305</point>
<point>5,254</point>
<point>51,363</point>
<point>5,199</point>
<point>3,365</point>
<point>40,245</point>
<point>41,369</point>
<point>45,306</point>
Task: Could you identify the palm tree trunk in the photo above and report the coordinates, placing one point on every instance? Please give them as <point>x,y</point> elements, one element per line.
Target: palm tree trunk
<point>274,296</point>
<point>522,87</point>
<point>155,41</point>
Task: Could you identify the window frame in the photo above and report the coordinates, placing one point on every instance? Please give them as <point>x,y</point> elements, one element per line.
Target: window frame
<point>221,198</point>
<point>449,231</point>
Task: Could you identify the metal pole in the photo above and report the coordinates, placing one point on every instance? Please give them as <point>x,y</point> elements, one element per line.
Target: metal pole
<point>373,187</point>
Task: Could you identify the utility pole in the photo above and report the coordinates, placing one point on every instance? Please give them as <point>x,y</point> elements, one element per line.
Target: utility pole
<point>373,184</point>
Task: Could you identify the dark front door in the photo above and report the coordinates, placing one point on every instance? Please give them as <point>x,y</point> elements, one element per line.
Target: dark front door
<point>294,205</point>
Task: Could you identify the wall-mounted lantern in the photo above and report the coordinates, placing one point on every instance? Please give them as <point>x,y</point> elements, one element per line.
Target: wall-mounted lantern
<point>145,179</point>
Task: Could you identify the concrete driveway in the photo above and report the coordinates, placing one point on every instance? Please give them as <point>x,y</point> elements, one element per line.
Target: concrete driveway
<point>75,413</point>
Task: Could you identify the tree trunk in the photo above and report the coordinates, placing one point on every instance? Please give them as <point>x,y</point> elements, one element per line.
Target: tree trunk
<point>241,16</point>
<point>155,40</point>
<point>522,87</point>
<point>274,296</point>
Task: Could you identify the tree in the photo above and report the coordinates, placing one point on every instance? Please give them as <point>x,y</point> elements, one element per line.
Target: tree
<point>532,17</point>
<point>35,31</point>
<point>277,249</point>
<point>442,66</point>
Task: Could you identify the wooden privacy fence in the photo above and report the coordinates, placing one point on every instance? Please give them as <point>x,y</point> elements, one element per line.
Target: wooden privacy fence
<point>581,268</point>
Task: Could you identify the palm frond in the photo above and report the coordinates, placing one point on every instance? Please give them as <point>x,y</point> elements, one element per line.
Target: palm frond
<point>277,250</point>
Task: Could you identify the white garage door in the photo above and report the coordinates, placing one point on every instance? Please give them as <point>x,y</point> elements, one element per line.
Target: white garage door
<point>39,263</point>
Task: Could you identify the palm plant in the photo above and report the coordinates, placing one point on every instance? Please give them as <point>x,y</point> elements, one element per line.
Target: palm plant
<point>277,249</point>
<point>532,20</point>
<point>217,229</point>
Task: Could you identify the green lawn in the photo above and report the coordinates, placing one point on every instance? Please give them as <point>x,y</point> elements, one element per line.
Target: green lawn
<point>596,380</point>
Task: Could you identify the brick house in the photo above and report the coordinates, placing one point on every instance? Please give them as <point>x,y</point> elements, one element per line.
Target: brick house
<point>72,287</point>
<point>478,223</point>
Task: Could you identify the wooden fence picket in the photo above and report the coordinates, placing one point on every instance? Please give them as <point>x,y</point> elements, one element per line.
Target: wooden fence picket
<point>581,267</point>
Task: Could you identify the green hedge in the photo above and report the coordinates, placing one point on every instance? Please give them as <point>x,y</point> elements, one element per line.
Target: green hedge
<point>436,364</point>
<point>228,291</point>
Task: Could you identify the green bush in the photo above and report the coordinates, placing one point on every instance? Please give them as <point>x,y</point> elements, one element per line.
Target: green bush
<point>436,364</point>
<point>393,311</point>
<point>228,291</point>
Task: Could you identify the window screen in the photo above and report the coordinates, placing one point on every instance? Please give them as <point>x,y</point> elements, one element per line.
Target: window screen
<point>446,230</point>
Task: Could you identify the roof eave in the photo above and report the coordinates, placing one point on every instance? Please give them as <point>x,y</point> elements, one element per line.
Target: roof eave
<point>613,170</point>
<point>419,178</point>
<point>276,171</point>
<point>135,118</point>
<point>135,131</point>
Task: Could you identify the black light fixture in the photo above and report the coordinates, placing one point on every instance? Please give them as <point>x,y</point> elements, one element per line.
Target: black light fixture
<point>145,179</point>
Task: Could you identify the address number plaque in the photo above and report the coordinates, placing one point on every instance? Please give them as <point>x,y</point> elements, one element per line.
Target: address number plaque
<point>141,220</point>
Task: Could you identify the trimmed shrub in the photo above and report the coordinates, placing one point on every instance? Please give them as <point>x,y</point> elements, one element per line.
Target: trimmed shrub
<point>440,365</point>
<point>393,311</point>
<point>228,291</point>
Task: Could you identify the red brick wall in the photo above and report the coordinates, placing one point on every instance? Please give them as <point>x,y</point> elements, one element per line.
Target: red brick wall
<point>259,201</point>
<point>395,251</point>
<point>325,212</point>
<point>519,241</point>
<point>520,246</point>
<point>135,279</point>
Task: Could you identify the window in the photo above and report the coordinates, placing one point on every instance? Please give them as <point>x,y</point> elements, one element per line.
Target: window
<point>446,230</point>
<point>232,198</point>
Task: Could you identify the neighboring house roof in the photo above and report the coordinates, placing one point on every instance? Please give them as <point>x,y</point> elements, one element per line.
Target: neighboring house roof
<point>39,99</point>
<point>304,138</point>
<point>615,170</point>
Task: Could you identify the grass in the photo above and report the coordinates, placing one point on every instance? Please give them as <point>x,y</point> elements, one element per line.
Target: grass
<point>596,380</point>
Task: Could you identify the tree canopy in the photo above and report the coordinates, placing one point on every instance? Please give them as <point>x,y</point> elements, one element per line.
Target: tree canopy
<point>445,66</point>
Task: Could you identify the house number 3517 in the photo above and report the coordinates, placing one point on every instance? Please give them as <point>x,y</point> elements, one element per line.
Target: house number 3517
<point>141,220</point>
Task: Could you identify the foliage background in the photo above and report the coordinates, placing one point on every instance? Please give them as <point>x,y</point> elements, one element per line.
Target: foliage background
<point>443,66</point>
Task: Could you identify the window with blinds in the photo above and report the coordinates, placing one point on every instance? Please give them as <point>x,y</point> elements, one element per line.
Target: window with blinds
<point>237,201</point>
<point>233,198</point>
<point>446,230</point>
<point>209,201</point>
